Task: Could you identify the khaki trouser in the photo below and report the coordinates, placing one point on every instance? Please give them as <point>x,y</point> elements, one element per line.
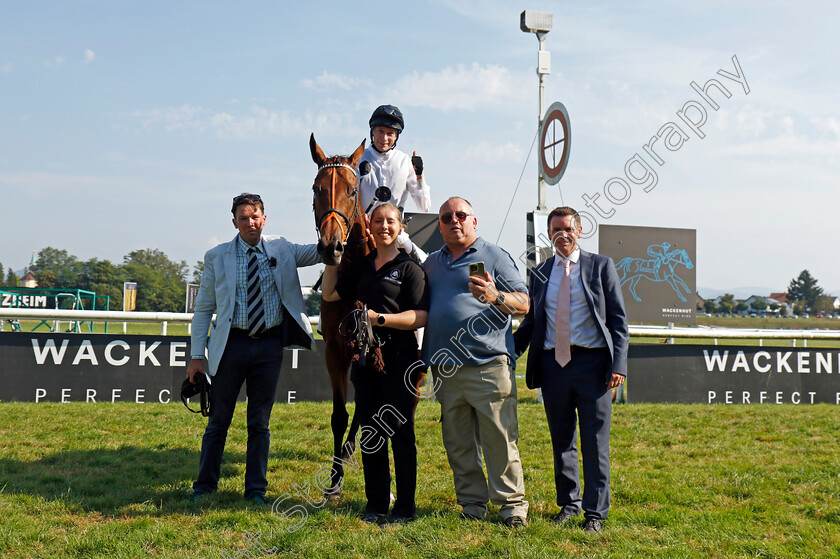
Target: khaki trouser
<point>478,414</point>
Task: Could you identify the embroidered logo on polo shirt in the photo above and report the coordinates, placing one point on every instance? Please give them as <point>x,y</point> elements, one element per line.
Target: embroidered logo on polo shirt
<point>394,277</point>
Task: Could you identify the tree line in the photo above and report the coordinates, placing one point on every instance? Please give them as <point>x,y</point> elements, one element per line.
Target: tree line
<point>803,292</point>
<point>161,282</point>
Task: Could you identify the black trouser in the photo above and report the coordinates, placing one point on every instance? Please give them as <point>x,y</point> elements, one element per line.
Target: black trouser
<point>256,362</point>
<point>386,411</point>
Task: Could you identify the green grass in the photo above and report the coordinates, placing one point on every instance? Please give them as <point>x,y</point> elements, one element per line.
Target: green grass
<point>111,480</point>
<point>769,322</point>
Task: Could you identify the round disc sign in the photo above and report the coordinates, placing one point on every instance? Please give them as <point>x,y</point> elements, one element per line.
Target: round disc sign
<point>555,143</point>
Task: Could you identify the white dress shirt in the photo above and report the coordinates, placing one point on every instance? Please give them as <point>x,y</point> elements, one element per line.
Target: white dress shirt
<point>583,329</point>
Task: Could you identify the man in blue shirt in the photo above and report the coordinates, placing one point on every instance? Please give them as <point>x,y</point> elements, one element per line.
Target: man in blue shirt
<point>469,347</point>
<point>577,331</point>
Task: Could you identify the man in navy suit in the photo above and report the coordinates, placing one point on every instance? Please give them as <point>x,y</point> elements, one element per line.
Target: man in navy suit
<point>251,284</point>
<point>577,330</point>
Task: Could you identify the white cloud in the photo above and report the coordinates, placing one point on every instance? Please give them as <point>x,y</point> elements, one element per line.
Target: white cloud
<point>258,122</point>
<point>89,56</point>
<point>57,61</point>
<point>172,118</point>
<point>6,68</point>
<point>786,145</point>
<point>45,185</point>
<point>328,81</point>
<point>460,87</point>
<point>485,152</point>
<point>787,125</point>
<point>752,122</point>
<point>830,124</point>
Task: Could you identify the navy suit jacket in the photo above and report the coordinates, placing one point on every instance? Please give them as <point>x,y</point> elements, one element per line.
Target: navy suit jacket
<point>602,291</point>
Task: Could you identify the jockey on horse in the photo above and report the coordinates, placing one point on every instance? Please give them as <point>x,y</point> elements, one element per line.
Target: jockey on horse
<point>384,165</point>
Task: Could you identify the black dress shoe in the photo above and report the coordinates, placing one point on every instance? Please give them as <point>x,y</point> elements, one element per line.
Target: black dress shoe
<point>373,518</point>
<point>257,500</point>
<point>593,526</point>
<point>562,518</point>
<point>515,522</point>
<point>197,497</point>
<point>400,519</point>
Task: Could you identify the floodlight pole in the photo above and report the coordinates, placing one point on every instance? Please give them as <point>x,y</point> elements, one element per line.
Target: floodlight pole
<point>543,69</point>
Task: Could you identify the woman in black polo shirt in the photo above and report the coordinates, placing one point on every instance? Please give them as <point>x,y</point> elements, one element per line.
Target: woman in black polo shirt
<point>394,288</point>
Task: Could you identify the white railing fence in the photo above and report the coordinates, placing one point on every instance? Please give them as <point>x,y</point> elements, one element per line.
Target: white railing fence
<point>669,333</point>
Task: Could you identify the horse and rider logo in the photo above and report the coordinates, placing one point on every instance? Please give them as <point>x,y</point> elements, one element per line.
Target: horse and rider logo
<point>657,269</point>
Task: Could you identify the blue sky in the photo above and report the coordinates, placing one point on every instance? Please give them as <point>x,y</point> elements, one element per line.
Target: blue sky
<point>130,125</point>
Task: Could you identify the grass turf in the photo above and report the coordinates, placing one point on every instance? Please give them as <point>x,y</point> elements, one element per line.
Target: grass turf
<point>112,480</point>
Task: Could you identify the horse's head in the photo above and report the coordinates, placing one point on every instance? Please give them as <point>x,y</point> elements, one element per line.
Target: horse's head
<point>684,259</point>
<point>335,200</point>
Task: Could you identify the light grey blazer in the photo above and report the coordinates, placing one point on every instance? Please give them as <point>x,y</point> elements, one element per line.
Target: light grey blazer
<point>218,288</point>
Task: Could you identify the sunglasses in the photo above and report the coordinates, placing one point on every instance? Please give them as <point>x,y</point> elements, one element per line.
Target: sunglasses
<point>446,219</point>
<point>246,197</point>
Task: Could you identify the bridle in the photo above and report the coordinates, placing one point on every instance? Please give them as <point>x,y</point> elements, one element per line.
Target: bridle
<point>333,212</point>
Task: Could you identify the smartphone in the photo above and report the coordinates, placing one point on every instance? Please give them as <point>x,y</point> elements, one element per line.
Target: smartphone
<point>477,269</point>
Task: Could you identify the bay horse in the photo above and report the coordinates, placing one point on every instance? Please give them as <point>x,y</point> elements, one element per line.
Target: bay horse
<point>342,240</point>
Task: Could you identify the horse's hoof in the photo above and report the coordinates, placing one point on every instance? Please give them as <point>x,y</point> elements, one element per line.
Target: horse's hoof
<point>333,493</point>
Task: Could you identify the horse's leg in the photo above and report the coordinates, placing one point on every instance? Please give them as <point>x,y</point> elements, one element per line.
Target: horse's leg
<point>338,420</point>
<point>633,281</point>
<point>337,366</point>
<point>672,282</point>
<point>682,283</point>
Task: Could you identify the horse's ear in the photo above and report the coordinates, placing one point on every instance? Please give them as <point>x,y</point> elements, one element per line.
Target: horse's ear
<point>354,159</point>
<point>317,154</point>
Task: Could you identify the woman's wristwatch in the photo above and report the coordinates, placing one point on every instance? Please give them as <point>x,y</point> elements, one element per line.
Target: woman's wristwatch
<point>380,320</point>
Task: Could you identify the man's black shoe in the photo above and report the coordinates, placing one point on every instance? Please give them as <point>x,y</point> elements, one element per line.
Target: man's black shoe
<point>257,500</point>
<point>593,526</point>
<point>400,519</point>
<point>373,518</point>
<point>562,518</point>
<point>515,522</point>
<point>196,497</point>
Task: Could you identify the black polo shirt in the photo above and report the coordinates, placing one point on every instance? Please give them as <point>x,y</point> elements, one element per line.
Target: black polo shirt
<point>399,285</point>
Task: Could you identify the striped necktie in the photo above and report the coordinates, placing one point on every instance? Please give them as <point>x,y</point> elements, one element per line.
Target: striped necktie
<point>256,314</point>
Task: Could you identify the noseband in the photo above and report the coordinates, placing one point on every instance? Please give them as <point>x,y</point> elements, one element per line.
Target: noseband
<point>333,212</point>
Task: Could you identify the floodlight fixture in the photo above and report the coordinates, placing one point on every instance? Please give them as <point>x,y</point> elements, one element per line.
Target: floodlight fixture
<point>532,21</point>
<point>539,23</point>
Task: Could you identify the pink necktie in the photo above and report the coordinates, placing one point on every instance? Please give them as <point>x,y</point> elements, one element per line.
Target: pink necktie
<point>562,349</point>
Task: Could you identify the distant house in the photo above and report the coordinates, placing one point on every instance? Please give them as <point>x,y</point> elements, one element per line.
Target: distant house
<point>28,280</point>
<point>781,298</point>
<point>767,301</point>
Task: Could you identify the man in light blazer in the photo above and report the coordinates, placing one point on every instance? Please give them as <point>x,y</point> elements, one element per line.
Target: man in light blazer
<point>251,284</point>
<point>578,354</point>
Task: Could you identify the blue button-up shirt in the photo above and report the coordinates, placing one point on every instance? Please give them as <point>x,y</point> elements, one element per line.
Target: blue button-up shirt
<point>272,305</point>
